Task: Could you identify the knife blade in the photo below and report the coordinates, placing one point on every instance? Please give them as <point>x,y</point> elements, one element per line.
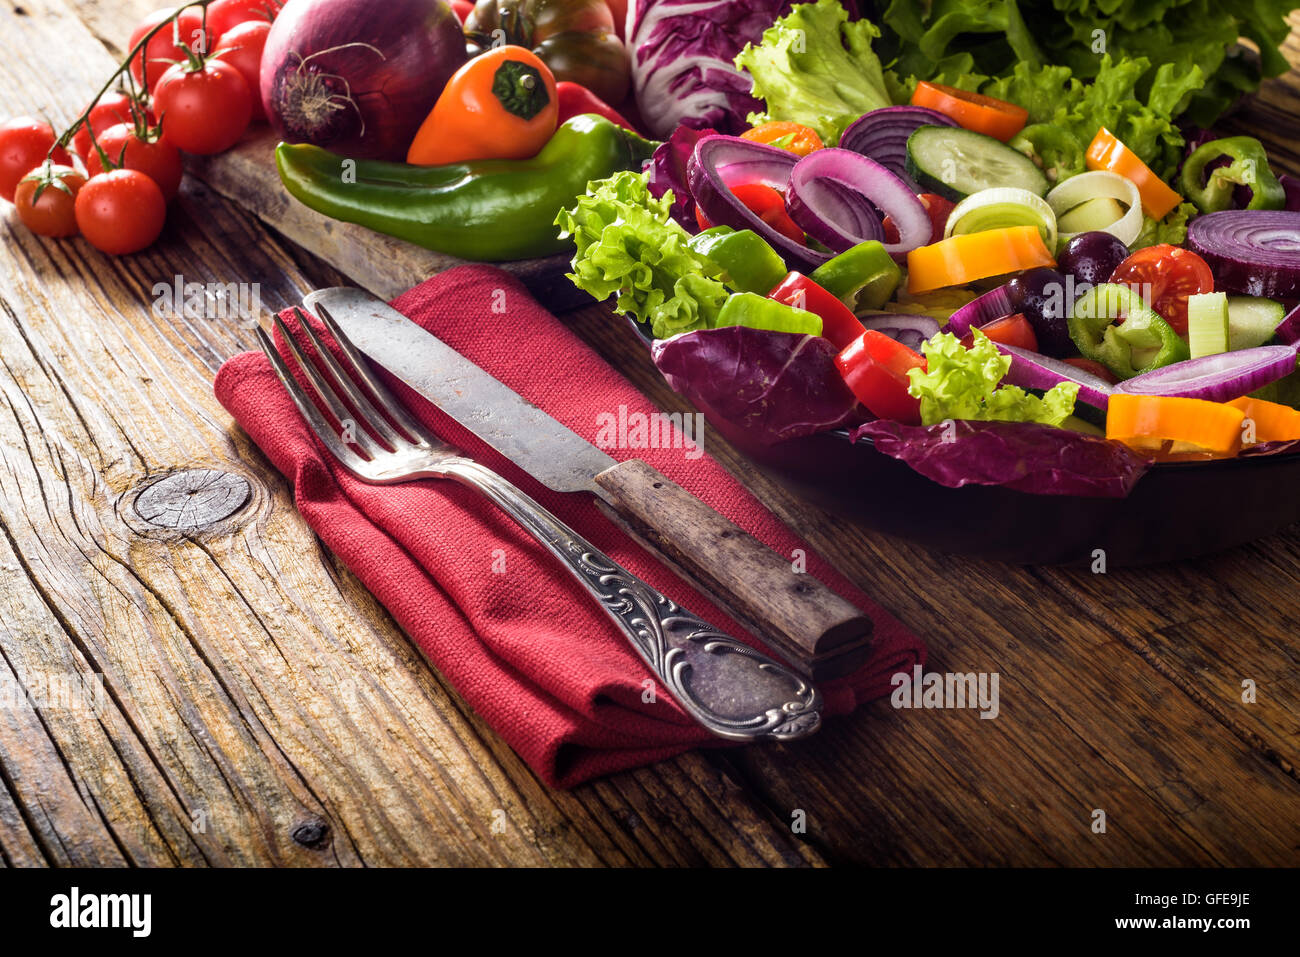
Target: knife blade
<point>822,634</point>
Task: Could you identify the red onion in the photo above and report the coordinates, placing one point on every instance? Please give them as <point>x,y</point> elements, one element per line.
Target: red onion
<point>838,214</point>
<point>882,135</point>
<point>1291,186</point>
<point>1251,251</point>
<point>1217,378</point>
<point>720,162</point>
<point>1033,370</point>
<point>910,330</point>
<point>358,77</point>
<point>1288,330</point>
<point>978,312</point>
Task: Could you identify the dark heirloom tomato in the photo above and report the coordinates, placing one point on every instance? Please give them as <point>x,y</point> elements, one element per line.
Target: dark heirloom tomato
<point>575,38</point>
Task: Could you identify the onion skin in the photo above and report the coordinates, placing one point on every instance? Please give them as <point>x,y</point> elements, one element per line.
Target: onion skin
<point>358,77</point>
<point>1251,251</point>
<point>993,304</point>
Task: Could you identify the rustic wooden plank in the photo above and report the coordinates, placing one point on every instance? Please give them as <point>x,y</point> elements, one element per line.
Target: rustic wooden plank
<point>260,707</point>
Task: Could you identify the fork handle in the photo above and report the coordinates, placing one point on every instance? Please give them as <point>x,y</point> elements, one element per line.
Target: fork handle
<point>730,688</point>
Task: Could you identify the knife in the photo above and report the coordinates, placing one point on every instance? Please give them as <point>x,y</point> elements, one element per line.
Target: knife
<point>821,633</point>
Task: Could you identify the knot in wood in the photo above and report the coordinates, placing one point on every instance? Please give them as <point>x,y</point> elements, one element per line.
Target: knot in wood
<point>193,499</point>
<point>310,833</point>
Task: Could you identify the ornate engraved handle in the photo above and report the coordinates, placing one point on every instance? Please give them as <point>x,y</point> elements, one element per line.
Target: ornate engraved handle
<point>730,688</point>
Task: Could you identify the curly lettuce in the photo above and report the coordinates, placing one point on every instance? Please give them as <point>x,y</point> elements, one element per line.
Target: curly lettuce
<point>817,68</point>
<point>961,383</point>
<point>629,246</point>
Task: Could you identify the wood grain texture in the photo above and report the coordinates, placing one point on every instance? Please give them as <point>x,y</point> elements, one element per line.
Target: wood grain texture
<point>248,676</point>
<point>258,706</point>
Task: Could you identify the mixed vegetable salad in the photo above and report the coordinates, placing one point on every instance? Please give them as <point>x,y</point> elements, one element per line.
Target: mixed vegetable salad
<point>1039,283</point>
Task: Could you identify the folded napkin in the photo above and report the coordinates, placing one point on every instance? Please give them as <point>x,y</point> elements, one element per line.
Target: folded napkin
<point>529,650</point>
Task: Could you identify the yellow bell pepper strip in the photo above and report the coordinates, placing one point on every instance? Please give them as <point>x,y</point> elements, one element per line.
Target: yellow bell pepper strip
<point>1165,426</point>
<point>963,259</point>
<point>1272,421</point>
<point>1108,153</point>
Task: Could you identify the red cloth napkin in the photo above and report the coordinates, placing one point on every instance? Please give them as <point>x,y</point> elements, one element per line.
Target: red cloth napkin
<point>505,624</point>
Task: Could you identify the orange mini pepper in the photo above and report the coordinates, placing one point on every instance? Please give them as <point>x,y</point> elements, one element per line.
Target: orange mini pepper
<point>1167,425</point>
<point>500,105</point>
<point>794,137</point>
<point>1108,153</point>
<point>970,256</point>
<point>1271,421</point>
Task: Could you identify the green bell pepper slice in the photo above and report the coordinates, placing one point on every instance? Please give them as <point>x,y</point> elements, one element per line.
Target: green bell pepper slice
<point>1248,167</point>
<point>863,277</point>
<point>758,312</point>
<point>750,264</point>
<point>1142,342</point>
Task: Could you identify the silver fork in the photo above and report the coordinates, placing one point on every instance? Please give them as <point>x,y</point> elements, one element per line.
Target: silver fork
<point>730,688</point>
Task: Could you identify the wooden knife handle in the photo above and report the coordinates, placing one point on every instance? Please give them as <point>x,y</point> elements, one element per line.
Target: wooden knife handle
<point>801,617</point>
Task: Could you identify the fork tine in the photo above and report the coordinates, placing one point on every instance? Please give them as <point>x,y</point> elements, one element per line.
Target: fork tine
<point>406,422</point>
<point>324,431</point>
<point>327,394</point>
<point>360,400</point>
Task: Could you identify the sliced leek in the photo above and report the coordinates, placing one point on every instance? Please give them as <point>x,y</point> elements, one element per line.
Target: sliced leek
<point>1100,184</point>
<point>999,207</point>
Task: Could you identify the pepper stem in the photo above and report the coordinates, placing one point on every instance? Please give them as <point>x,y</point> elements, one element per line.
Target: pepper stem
<point>520,89</point>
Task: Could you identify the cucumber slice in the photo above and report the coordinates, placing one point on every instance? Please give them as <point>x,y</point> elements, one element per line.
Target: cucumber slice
<point>1207,324</point>
<point>956,163</point>
<point>1252,321</point>
<point>1095,214</point>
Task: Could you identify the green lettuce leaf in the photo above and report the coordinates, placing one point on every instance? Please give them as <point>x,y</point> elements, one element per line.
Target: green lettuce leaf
<point>1172,229</point>
<point>961,383</point>
<point>629,246</point>
<point>816,68</point>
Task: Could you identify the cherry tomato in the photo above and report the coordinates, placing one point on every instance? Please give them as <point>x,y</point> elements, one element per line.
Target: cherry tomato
<point>205,111</point>
<point>936,207</point>
<point>53,212</point>
<point>462,8</point>
<point>1172,274</point>
<point>156,157</point>
<point>120,212</point>
<point>765,203</point>
<point>162,50</point>
<point>24,141</point>
<point>1096,368</point>
<point>242,47</point>
<point>794,137</point>
<point>225,15</point>
<point>112,108</point>
<point>874,367</point>
<point>1014,330</point>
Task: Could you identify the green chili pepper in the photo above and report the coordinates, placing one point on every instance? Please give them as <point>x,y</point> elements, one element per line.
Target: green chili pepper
<point>1057,152</point>
<point>750,264</point>
<point>756,312</point>
<point>487,210</point>
<point>863,277</point>
<point>1142,342</point>
<point>1249,167</point>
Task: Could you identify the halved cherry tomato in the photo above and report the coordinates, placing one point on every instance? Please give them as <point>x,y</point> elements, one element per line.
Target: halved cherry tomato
<point>839,325</point>
<point>765,203</point>
<point>794,137</point>
<point>936,207</point>
<point>1014,330</point>
<point>1165,276</point>
<point>875,367</point>
<point>983,114</point>
<point>1108,153</point>
<point>1096,368</point>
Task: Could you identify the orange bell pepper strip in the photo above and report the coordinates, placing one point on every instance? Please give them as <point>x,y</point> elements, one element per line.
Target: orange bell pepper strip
<point>795,137</point>
<point>1270,421</point>
<point>1168,426</point>
<point>500,105</point>
<point>972,111</point>
<point>970,256</point>
<point>1108,153</point>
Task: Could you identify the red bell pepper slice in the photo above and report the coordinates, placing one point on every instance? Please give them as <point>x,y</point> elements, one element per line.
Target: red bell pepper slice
<point>765,203</point>
<point>875,367</point>
<point>839,325</point>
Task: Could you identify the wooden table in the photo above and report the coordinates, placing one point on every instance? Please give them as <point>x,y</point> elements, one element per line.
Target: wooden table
<point>259,707</point>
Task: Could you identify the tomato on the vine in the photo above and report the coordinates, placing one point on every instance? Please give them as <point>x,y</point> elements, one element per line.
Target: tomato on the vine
<point>24,142</point>
<point>164,50</point>
<point>242,47</point>
<point>46,199</point>
<point>154,155</point>
<point>225,15</point>
<point>120,212</point>
<point>1172,275</point>
<point>204,110</point>
<point>113,108</point>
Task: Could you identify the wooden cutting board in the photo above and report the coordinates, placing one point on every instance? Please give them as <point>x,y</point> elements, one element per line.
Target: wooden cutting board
<point>384,265</point>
